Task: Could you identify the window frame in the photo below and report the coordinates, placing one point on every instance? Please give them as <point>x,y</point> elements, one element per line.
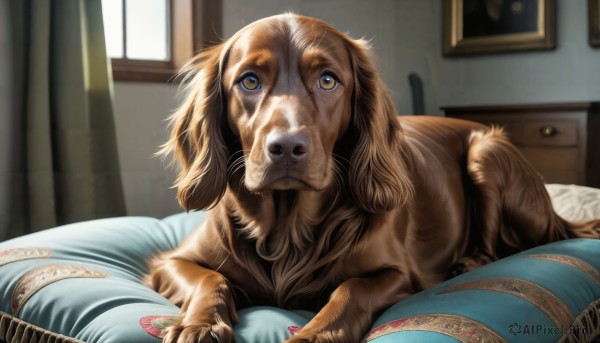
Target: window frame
<point>195,25</point>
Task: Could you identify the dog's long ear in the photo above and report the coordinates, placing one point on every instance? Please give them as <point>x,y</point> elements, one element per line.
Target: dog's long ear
<point>378,175</point>
<point>196,139</point>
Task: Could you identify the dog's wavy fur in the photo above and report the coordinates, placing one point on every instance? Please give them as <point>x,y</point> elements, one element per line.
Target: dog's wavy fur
<point>406,204</point>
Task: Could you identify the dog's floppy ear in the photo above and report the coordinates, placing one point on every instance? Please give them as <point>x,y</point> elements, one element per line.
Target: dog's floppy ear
<point>196,139</point>
<point>378,175</point>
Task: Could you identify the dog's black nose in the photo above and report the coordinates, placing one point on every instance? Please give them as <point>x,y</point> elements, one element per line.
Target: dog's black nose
<point>282,146</point>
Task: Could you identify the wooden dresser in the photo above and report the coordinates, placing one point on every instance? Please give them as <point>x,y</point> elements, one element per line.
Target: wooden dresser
<point>561,140</point>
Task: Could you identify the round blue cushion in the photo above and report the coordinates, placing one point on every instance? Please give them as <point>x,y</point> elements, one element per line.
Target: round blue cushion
<point>83,281</point>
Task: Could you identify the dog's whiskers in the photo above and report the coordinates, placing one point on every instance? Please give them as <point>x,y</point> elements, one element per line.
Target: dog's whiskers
<point>235,165</point>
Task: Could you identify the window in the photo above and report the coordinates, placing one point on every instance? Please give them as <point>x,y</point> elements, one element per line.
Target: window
<point>149,40</point>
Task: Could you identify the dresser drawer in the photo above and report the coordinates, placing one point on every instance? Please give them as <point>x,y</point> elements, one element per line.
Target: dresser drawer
<point>545,133</point>
<point>556,165</point>
<point>551,133</point>
<point>561,140</point>
<point>562,159</point>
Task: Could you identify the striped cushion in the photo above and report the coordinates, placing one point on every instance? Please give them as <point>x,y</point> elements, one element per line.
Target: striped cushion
<point>80,282</point>
<point>544,294</point>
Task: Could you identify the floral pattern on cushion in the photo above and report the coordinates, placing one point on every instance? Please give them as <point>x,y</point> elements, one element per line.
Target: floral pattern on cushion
<point>154,325</point>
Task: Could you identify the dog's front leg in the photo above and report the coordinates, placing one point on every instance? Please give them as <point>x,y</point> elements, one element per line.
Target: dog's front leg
<point>207,305</point>
<point>352,308</point>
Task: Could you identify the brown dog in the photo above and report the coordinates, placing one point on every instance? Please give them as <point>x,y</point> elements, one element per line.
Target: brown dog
<point>321,197</point>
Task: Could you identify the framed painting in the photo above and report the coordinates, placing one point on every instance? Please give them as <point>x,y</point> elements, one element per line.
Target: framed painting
<point>594,13</point>
<point>496,26</point>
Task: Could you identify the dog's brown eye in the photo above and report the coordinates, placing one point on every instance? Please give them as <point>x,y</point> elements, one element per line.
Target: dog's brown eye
<point>250,82</point>
<point>327,82</point>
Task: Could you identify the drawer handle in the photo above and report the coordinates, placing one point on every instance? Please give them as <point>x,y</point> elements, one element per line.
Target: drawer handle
<point>548,131</point>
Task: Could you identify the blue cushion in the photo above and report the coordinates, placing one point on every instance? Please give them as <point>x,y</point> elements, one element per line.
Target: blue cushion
<point>104,302</point>
<point>539,295</point>
<point>82,282</point>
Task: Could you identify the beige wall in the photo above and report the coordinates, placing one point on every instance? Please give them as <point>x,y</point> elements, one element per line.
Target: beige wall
<point>141,110</point>
<point>571,72</point>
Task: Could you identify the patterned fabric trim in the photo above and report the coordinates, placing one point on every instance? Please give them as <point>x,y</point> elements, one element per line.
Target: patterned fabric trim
<point>460,328</point>
<point>15,330</point>
<point>19,254</point>
<point>571,261</point>
<point>154,325</point>
<point>41,277</point>
<point>539,296</point>
<point>586,327</point>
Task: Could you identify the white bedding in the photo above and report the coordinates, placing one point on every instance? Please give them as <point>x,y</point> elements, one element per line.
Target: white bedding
<point>575,203</point>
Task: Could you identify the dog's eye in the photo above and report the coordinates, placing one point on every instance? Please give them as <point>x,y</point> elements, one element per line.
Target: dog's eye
<point>327,82</point>
<point>250,82</point>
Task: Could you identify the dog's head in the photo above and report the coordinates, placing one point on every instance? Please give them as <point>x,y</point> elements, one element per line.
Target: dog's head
<point>294,104</point>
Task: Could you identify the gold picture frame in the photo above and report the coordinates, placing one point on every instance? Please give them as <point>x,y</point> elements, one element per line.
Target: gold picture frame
<point>594,12</point>
<point>496,26</point>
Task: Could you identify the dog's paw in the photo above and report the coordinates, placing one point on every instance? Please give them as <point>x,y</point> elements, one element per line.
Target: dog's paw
<point>201,333</point>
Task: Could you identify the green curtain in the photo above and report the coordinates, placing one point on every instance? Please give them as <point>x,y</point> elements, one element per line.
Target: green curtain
<point>66,159</point>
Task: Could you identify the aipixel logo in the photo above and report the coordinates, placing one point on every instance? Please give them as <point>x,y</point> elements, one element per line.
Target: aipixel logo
<point>517,329</point>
